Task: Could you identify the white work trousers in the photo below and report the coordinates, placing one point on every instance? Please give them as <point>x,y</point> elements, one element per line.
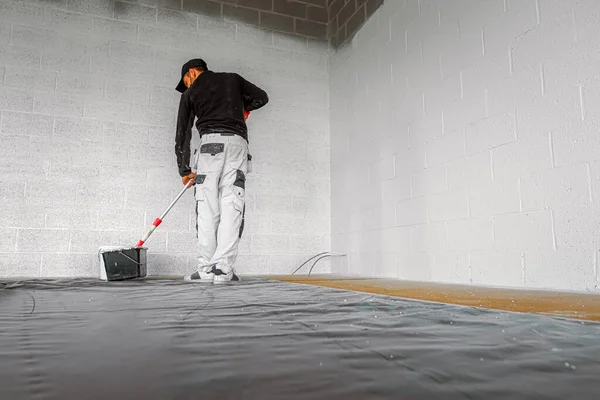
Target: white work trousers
<point>221,167</point>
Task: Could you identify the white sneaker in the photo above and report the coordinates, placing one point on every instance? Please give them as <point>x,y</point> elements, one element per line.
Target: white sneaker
<point>224,277</point>
<point>203,275</point>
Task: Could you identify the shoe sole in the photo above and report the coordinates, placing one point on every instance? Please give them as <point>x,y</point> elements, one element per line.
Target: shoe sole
<point>219,275</point>
<point>198,280</point>
<point>201,280</point>
<point>216,282</point>
<point>221,282</point>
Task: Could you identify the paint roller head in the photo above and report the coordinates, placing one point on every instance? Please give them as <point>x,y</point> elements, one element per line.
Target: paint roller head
<point>104,249</point>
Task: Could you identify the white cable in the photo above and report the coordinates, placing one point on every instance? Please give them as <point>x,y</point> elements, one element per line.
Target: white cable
<point>320,256</point>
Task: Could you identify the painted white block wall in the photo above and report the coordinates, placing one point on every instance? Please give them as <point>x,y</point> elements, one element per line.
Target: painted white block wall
<point>87,114</point>
<point>465,143</point>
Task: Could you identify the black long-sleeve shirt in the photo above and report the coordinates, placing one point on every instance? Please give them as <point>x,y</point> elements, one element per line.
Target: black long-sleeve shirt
<point>218,100</point>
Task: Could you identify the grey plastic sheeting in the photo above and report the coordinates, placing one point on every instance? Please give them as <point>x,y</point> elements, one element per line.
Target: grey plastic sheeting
<point>261,339</point>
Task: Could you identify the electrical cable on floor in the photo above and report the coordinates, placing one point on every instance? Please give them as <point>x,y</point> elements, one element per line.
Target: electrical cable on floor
<point>320,256</point>
<point>307,261</point>
<point>316,261</point>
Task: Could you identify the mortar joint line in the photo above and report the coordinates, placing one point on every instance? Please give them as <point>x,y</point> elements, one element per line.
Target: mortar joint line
<point>523,270</point>
<point>551,142</point>
<point>520,195</point>
<point>582,101</point>
<point>596,268</point>
<point>483,42</point>
<point>510,62</point>
<point>553,230</point>
<point>575,35</point>
<point>542,80</point>
<point>589,179</point>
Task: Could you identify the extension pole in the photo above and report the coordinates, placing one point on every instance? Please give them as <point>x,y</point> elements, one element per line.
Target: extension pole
<point>159,220</point>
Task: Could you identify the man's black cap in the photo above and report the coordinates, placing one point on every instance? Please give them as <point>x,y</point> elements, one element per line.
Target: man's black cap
<point>195,63</point>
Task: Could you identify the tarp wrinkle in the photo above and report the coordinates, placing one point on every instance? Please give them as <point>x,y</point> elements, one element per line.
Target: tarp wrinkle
<point>265,339</point>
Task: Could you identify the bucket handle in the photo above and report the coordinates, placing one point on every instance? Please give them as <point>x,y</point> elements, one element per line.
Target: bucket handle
<point>126,256</point>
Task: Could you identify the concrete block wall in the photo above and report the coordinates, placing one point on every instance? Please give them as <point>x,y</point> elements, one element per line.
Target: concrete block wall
<point>87,114</point>
<point>465,143</point>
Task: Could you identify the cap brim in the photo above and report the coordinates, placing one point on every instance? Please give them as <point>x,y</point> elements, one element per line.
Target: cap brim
<point>181,87</point>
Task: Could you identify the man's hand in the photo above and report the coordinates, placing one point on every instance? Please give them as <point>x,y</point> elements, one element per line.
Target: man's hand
<point>186,179</point>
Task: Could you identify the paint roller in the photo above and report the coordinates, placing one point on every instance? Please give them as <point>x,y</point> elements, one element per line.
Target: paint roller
<point>119,263</point>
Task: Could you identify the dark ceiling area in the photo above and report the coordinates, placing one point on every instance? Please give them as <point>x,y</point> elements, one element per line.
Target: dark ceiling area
<point>346,17</point>
<point>335,21</point>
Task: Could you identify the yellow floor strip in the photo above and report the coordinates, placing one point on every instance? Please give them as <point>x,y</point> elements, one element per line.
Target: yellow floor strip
<point>561,304</point>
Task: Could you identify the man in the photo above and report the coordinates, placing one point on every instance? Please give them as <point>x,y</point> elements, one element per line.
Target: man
<point>221,102</point>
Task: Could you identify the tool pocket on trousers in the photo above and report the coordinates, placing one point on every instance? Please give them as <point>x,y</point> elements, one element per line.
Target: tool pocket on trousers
<point>211,157</point>
<point>239,201</point>
<point>199,187</point>
<point>238,198</point>
<point>239,189</point>
<point>240,179</point>
<point>212,148</point>
<point>239,205</point>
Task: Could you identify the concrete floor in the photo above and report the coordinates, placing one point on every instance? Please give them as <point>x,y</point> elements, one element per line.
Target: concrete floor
<point>576,305</point>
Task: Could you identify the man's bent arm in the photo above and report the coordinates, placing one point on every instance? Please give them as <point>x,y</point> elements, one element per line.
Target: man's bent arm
<point>254,97</point>
<point>183,136</point>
